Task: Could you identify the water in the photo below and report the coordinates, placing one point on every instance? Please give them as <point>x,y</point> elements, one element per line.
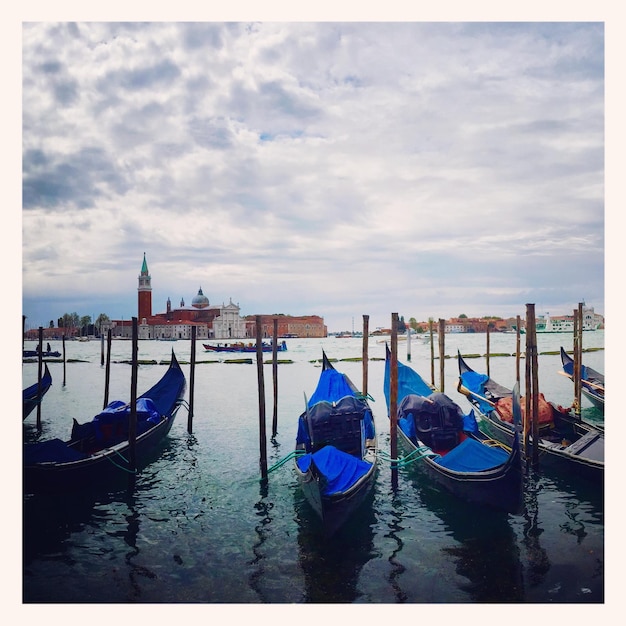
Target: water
<point>200,528</point>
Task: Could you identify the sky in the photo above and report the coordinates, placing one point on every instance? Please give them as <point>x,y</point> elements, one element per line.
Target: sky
<point>331,168</point>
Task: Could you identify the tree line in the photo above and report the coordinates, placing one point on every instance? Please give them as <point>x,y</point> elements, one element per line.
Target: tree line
<point>84,323</point>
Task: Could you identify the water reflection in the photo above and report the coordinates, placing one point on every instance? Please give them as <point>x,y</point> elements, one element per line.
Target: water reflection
<point>485,550</point>
<point>332,565</point>
<point>536,555</point>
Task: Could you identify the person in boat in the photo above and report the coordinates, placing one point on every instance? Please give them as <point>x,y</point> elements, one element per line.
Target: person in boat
<point>48,348</point>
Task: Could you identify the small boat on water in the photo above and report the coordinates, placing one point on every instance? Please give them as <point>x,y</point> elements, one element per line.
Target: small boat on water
<point>566,443</point>
<point>97,453</point>
<point>244,347</point>
<point>28,354</point>
<point>449,447</point>
<point>336,448</point>
<point>592,382</point>
<point>33,395</point>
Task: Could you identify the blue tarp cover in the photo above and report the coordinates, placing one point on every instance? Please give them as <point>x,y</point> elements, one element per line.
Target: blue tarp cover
<point>409,383</point>
<point>331,386</point>
<point>118,410</point>
<point>472,456</point>
<point>340,470</point>
<point>476,382</point>
<point>53,450</point>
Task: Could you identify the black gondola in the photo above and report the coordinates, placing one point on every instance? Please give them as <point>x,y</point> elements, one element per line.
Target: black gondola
<point>566,443</point>
<point>32,396</point>
<point>97,452</point>
<point>336,448</point>
<point>592,382</point>
<point>449,447</point>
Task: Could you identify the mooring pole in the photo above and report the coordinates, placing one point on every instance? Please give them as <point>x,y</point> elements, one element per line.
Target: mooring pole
<point>517,349</point>
<point>366,332</point>
<point>408,343</point>
<point>488,349</point>
<point>261,384</point>
<point>192,378</point>
<point>442,353</point>
<point>432,352</point>
<point>39,373</point>
<point>63,343</point>
<point>532,384</point>
<point>107,371</point>
<point>275,378</point>
<point>101,349</point>
<point>132,419</point>
<point>393,399</point>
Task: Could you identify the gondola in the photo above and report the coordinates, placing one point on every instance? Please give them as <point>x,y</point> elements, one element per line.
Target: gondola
<point>28,354</point>
<point>336,448</point>
<point>592,382</point>
<point>97,453</point>
<point>566,443</point>
<point>31,396</point>
<point>242,347</point>
<point>449,447</point>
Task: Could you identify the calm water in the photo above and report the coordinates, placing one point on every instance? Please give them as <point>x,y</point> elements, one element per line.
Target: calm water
<point>200,528</point>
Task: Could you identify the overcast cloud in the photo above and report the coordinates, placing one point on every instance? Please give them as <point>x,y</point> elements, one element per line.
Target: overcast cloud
<point>336,169</point>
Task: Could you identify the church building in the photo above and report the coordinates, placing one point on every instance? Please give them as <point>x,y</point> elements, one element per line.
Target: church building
<point>211,322</point>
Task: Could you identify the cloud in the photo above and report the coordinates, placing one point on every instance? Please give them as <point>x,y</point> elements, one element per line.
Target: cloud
<point>315,167</point>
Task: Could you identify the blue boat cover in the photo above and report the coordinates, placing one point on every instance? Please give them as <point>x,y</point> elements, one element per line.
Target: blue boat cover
<point>331,386</point>
<point>473,456</point>
<point>53,450</point>
<point>409,382</point>
<point>339,469</point>
<point>111,424</point>
<point>476,382</point>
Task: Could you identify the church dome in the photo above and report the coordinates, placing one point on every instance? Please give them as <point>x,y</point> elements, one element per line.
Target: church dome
<point>200,301</point>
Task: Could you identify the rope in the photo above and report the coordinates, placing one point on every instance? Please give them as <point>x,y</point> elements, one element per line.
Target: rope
<point>124,469</point>
<point>416,455</point>
<point>284,460</point>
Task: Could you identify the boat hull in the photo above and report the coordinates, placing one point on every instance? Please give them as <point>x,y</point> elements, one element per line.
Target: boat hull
<point>334,510</point>
<point>556,457</point>
<point>98,453</point>
<point>578,452</point>
<point>31,396</point>
<point>500,488</point>
<point>109,468</point>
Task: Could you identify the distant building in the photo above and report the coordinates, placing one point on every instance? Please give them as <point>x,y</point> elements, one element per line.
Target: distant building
<point>211,322</point>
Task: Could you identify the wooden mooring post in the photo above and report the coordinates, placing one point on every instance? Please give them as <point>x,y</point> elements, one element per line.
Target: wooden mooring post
<point>532,385</point>
<point>275,377</point>
<point>261,385</point>
<point>63,344</point>
<point>192,379</point>
<point>132,418</point>
<point>39,374</point>
<point>432,352</point>
<point>488,349</point>
<point>393,400</point>
<point>442,354</point>
<point>408,343</point>
<point>107,370</point>
<point>366,332</point>
<point>518,347</point>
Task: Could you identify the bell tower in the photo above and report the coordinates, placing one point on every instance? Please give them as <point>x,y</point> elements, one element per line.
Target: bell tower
<point>144,293</point>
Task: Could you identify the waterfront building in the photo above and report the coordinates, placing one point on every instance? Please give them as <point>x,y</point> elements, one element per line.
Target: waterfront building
<point>211,321</point>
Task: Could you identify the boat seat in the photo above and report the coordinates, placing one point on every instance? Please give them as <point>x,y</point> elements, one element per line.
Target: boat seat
<point>345,434</point>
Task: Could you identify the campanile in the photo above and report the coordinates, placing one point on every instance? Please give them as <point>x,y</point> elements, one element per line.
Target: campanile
<point>144,294</point>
